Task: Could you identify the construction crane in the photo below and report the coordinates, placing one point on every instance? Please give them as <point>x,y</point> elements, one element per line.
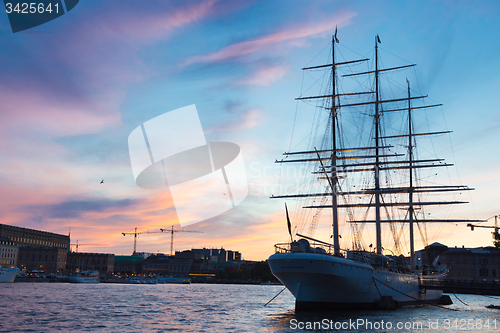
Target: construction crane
<point>77,245</point>
<point>472,226</point>
<point>172,231</point>
<point>135,233</point>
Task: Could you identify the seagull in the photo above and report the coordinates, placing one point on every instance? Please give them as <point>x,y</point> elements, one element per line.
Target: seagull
<point>102,181</point>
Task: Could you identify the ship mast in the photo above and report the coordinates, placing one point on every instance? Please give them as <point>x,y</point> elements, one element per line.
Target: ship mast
<point>377,161</point>
<point>373,155</point>
<point>410,190</point>
<point>335,222</point>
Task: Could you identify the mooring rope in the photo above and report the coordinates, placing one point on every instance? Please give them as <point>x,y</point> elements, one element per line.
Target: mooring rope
<point>275,296</point>
<point>460,299</point>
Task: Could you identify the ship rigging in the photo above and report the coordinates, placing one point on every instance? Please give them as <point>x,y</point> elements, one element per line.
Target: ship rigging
<point>311,283</point>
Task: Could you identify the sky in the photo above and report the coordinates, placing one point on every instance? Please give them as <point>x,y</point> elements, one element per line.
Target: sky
<point>72,90</point>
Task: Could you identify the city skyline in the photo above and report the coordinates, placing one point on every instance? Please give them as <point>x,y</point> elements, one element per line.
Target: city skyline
<point>74,88</point>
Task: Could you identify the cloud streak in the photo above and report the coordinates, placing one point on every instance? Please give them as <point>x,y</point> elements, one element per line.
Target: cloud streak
<point>134,24</point>
<point>78,208</point>
<point>290,36</point>
<point>265,76</point>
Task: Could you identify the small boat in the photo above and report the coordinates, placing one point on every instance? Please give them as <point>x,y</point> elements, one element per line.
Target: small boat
<point>85,277</point>
<point>8,274</point>
<point>491,306</point>
<point>171,279</point>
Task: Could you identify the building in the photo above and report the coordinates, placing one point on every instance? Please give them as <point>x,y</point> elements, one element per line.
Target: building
<point>128,265</point>
<point>34,238</point>
<point>233,256</point>
<point>477,265</point>
<point>48,259</point>
<point>424,258</point>
<point>219,255</point>
<point>8,253</point>
<point>195,263</point>
<point>38,250</point>
<point>103,262</point>
<point>157,264</point>
<point>465,265</point>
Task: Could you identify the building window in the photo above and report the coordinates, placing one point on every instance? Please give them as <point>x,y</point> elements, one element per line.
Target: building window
<point>483,272</point>
<point>494,273</point>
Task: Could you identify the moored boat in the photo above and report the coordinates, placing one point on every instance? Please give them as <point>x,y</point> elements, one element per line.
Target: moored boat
<point>8,274</point>
<point>85,277</point>
<point>324,275</point>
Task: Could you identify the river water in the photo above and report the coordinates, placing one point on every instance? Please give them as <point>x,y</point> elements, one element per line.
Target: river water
<point>64,307</point>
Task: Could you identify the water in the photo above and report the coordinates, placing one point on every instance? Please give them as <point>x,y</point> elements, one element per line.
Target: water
<point>56,307</point>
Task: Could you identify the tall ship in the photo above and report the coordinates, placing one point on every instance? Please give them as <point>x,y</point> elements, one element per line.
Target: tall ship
<point>367,173</point>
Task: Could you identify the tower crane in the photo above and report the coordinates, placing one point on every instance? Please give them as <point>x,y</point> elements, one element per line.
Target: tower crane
<point>77,245</point>
<point>135,233</point>
<point>472,226</point>
<point>172,231</point>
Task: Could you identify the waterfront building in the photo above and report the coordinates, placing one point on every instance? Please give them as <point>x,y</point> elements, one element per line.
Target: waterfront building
<point>47,259</point>
<point>477,265</point>
<point>196,262</point>
<point>8,253</point>
<point>34,238</point>
<point>426,256</point>
<point>180,264</point>
<point>38,250</point>
<point>128,265</point>
<point>218,255</point>
<point>233,256</point>
<point>157,264</point>
<point>102,262</point>
<point>481,264</point>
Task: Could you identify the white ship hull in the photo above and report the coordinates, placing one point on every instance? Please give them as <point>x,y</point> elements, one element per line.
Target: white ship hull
<point>8,274</point>
<point>324,281</point>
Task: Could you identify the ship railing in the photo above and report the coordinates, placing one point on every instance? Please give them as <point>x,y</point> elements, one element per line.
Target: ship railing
<point>312,247</point>
<point>282,248</point>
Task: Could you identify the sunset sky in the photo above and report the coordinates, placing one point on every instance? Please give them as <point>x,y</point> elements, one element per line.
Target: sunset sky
<point>73,89</point>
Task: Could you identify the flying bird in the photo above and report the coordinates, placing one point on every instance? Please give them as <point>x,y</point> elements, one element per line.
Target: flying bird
<point>102,181</point>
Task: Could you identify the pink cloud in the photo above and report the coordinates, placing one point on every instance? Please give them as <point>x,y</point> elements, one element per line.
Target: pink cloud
<point>36,112</point>
<point>137,22</point>
<point>248,120</point>
<point>265,76</point>
<point>137,26</point>
<point>301,31</point>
